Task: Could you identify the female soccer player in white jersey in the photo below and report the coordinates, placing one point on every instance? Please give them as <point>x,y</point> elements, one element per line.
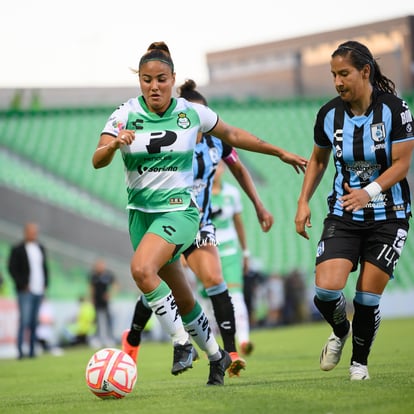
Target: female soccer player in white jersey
<point>156,134</point>
<point>370,132</point>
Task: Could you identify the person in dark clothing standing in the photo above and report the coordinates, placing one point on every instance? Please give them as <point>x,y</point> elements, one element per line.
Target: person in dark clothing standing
<point>28,268</point>
<point>102,282</point>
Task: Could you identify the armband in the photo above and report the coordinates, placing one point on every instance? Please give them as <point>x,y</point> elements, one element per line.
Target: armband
<point>246,254</point>
<point>373,189</point>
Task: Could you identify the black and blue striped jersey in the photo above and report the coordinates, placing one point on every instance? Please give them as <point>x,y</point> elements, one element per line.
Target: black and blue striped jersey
<point>362,150</point>
<point>208,153</point>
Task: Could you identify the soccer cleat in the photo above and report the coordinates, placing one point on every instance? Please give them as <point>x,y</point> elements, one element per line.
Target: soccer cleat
<point>129,349</point>
<point>246,348</point>
<point>358,371</point>
<point>331,352</point>
<point>183,358</point>
<point>237,364</point>
<point>218,369</point>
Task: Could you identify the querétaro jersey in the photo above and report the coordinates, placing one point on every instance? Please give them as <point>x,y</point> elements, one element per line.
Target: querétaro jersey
<point>362,150</point>
<point>208,153</point>
<point>159,163</point>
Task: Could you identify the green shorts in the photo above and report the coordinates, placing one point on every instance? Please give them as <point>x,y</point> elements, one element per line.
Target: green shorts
<point>232,266</point>
<point>175,227</point>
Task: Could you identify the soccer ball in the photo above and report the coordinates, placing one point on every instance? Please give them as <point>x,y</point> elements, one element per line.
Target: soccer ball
<point>111,373</point>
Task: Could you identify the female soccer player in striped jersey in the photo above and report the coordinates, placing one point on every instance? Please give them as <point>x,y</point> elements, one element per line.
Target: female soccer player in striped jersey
<point>370,132</point>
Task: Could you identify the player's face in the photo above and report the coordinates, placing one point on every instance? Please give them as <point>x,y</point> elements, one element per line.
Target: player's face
<point>350,83</point>
<point>156,81</point>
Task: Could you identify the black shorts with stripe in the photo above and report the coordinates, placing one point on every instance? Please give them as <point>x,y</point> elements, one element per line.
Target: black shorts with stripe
<point>377,242</point>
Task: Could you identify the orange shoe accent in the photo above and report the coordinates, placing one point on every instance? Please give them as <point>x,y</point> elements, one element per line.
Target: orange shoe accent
<point>246,348</point>
<point>131,350</point>
<point>237,364</point>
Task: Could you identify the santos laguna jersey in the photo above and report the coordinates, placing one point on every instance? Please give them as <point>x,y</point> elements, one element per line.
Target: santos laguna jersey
<point>362,150</point>
<point>159,163</point>
<point>224,206</point>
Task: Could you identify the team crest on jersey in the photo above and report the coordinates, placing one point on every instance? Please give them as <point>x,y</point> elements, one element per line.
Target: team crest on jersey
<point>378,132</point>
<point>183,121</point>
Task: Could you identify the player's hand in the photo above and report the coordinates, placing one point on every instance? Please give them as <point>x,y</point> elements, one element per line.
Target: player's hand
<point>265,218</point>
<point>355,199</point>
<point>303,219</point>
<point>125,137</point>
<point>298,162</point>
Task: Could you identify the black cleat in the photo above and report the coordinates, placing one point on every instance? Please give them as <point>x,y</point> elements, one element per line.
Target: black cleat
<point>218,369</point>
<point>183,358</point>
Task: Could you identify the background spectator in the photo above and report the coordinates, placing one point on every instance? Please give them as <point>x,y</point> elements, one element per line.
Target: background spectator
<point>102,285</point>
<point>28,268</point>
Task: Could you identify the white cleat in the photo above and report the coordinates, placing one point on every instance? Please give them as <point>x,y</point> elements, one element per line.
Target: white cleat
<point>358,372</point>
<point>332,351</point>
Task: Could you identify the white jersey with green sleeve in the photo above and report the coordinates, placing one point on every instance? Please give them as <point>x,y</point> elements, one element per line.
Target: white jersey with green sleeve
<point>224,206</point>
<point>159,163</point>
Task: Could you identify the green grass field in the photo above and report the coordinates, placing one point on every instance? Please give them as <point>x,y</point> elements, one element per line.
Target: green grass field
<point>282,376</point>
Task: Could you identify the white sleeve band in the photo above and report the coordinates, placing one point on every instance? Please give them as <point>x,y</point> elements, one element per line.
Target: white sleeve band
<point>373,189</point>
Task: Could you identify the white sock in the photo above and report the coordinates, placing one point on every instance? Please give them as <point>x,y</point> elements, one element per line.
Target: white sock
<point>242,317</point>
<point>162,303</point>
<point>199,329</point>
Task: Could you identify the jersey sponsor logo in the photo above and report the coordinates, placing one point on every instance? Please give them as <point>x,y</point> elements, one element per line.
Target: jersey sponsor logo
<point>144,169</point>
<point>378,132</point>
<point>376,203</point>
<point>377,147</point>
<point>363,169</point>
<point>158,158</point>
<point>160,139</point>
<point>183,121</point>
<point>406,115</point>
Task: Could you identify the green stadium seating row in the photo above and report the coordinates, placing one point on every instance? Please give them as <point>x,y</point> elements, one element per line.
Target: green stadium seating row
<point>33,180</point>
<point>63,142</point>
